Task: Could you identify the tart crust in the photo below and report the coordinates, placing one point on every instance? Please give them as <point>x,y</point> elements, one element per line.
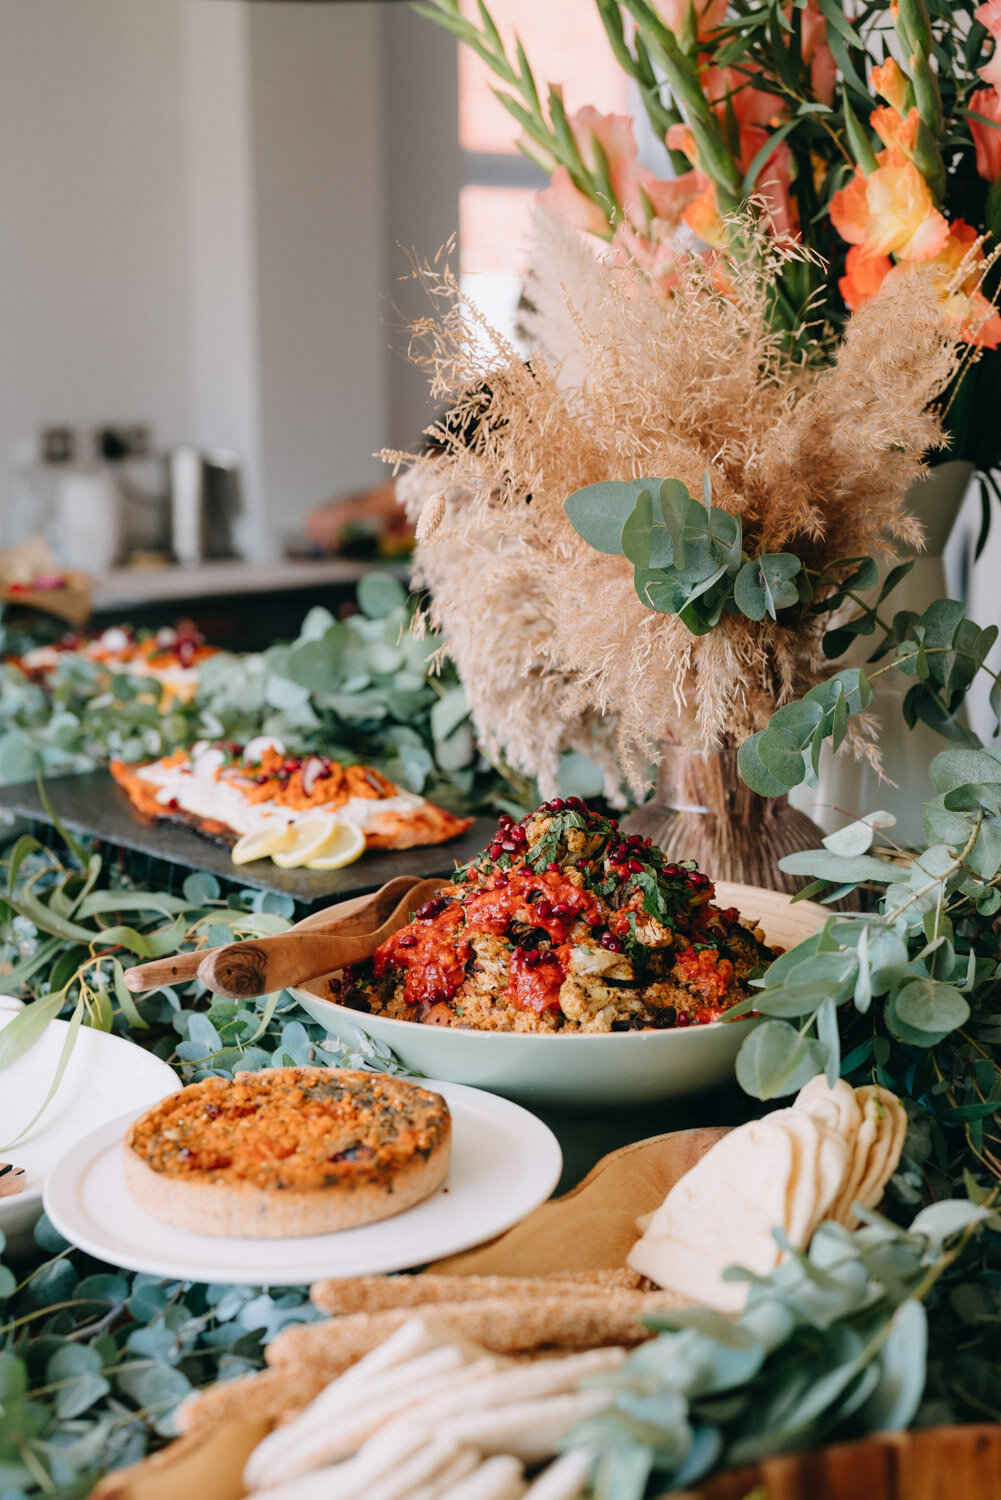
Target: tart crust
<point>288,1152</point>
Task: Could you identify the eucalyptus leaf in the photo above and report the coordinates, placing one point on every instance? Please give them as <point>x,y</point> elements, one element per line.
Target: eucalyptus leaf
<point>598,512</point>
<point>929,1005</point>
<point>776,1059</point>
<point>646,540</point>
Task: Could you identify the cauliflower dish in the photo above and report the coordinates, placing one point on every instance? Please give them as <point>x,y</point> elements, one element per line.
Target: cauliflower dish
<point>563,924</point>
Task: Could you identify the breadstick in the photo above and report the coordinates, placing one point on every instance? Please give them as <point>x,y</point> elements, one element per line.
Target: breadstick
<point>304,1443</point>
<point>265,1395</point>
<point>548,1377</point>
<point>322,1436</point>
<point>565,1479</point>
<point>504,1325</point>
<point>400,1481</point>
<point>530,1430</point>
<point>377,1293</point>
<point>497,1479</point>
<point>465,1461</point>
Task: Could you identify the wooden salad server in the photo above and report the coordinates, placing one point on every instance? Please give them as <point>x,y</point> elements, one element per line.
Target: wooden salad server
<point>367,911</point>
<point>263,965</point>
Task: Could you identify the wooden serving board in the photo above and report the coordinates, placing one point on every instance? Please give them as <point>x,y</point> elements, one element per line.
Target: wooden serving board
<point>93,804</point>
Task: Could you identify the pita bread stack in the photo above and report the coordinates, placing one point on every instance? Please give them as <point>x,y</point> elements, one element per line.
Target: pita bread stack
<point>791,1170</point>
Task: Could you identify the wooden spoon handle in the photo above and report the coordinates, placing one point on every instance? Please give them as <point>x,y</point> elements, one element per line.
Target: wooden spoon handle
<point>276,963</point>
<point>361,911</point>
<point>174,970</point>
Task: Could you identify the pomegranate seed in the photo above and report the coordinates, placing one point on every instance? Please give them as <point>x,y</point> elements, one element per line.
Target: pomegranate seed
<point>562,909</point>
<point>431,908</point>
<point>673,871</point>
<point>544,910</point>
<point>576,804</point>
<point>553,868</point>
<point>408,940</point>
<point>611,942</point>
<point>634,867</point>
<point>684,1019</point>
<point>635,840</point>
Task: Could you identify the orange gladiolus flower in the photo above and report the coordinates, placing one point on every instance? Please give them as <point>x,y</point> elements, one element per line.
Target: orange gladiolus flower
<point>633,185</point>
<point>890,83</point>
<point>816,53</point>
<point>894,131</point>
<point>709,15</point>
<point>864,275</point>
<point>989,15</point>
<point>957,270</point>
<point>890,212</point>
<point>987,138</point>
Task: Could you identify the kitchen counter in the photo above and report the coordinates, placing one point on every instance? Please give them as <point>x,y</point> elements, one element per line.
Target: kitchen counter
<point>243,606</point>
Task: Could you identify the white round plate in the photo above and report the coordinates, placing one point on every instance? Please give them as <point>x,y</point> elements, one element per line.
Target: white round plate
<point>105,1074</point>
<point>505,1162</point>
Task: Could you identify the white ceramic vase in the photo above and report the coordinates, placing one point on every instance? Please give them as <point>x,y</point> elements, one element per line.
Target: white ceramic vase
<point>850,788</point>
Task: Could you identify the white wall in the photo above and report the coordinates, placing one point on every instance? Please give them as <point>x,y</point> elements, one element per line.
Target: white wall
<point>202,201</point>
<point>319,233</point>
<point>93,275</point>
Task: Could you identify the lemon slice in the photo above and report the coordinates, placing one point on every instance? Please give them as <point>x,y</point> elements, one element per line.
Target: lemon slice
<point>319,835</point>
<point>345,846</point>
<point>260,842</point>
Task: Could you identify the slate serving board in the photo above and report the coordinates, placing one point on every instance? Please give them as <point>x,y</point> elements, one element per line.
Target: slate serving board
<point>95,805</point>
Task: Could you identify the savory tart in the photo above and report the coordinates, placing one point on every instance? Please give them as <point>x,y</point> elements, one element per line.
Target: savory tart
<point>227,790</point>
<point>563,924</point>
<point>288,1151</point>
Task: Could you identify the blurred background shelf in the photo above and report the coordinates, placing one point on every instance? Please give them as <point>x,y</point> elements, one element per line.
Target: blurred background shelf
<point>243,606</point>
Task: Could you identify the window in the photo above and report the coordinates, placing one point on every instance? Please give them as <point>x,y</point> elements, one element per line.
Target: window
<point>566,44</point>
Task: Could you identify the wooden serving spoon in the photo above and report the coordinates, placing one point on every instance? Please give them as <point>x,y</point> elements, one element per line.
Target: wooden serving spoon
<point>264,965</point>
<point>366,911</point>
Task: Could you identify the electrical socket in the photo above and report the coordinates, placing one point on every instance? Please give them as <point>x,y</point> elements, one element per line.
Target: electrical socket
<point>63,443</point>
<point>58,445</point>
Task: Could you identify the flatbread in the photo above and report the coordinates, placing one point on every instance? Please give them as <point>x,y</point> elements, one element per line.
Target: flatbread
<point>891,1127</point>
<point>836,1107</point>
<point>720,1214</point>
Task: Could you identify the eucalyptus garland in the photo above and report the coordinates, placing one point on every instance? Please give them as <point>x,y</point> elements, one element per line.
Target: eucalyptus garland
<point>94,1360</point>
<point>365,688</point>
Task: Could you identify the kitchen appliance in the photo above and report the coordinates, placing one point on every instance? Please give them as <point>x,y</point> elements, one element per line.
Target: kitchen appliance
<point>205,499</point>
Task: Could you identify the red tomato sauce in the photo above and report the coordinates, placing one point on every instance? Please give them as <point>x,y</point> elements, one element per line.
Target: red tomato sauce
<point>547,900</point>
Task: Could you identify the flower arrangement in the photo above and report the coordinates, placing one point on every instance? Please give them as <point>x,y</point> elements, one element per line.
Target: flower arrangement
<point>564,625</point>
<point>781,334</point>
<point>873,140</point>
